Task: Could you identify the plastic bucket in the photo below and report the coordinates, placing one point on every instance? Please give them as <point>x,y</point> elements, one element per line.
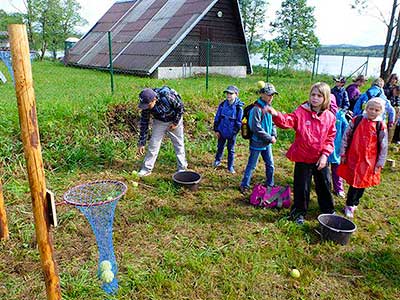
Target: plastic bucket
<point>188,179</point>
<point>336,228</point>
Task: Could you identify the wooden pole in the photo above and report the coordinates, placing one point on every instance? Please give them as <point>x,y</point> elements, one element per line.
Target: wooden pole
<point>3,217</point>
<point>30,138</point>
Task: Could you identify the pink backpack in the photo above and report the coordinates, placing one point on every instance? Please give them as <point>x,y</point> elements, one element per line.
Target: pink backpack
<point>270,197</point>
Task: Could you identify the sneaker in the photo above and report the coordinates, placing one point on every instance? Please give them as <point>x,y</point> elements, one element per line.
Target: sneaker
<point>341,194</point>
<point>216,164</point>
<point>244,189</point>
<point>231,170</point>
<point>300,220</point>
<point>349,211</point>
<point>144,173</point>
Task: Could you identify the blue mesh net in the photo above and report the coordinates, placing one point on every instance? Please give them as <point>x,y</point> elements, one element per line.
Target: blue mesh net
<point>97,201</point>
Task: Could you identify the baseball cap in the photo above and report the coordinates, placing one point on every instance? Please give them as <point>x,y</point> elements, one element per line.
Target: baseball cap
<point>340,79</point>
<point>145,97</point>
<point>268,89</point>
<point>232,89</point>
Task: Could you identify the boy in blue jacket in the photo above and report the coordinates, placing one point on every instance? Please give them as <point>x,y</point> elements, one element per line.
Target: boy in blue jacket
<point>227,123</point>
<point>342,98</point>
<point>263,136</point>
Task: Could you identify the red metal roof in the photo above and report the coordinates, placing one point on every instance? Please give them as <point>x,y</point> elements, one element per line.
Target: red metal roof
<point>143,32</point>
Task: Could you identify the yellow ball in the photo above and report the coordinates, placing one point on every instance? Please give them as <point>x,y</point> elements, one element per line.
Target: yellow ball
<point>295,273</point>
<point>260,84</point>
<point>107,276</point>
<point>135,184</point>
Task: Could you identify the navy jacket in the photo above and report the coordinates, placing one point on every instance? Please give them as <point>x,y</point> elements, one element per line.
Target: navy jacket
<point>228,119</point>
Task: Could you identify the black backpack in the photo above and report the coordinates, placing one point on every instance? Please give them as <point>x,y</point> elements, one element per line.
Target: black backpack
<point>245,129</point>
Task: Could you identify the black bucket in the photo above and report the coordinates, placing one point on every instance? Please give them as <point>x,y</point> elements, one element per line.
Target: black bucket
<point>188,179</point>
<point>336,228</point>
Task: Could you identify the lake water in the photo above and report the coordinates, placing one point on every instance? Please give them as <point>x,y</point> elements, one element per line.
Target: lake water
<point>331,64</point>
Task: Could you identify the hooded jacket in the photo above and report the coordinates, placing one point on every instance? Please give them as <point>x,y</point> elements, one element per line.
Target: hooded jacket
<point>261,126</point>
<point>228,119</point>
<point>315,133</point>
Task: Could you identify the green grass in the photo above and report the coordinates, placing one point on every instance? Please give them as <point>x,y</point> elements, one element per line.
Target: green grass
<point>171,243</point>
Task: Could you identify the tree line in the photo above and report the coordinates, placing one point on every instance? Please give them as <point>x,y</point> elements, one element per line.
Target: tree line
<point>295,39</point>
<point>49,23</point>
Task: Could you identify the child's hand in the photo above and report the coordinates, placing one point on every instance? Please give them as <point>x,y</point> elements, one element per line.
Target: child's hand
<point>377,169</point>
<point>343,159</point>
<point>271,110</point>
<point>322,161</point>
<point>217,134</point>
<point>273,140</point>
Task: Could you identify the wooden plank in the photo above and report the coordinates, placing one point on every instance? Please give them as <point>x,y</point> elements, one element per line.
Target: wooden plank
<point>33,155</point>
<point>4,235</point>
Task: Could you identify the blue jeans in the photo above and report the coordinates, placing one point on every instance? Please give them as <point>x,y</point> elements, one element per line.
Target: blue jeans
<point>252,163</point>
<point>230,147</point>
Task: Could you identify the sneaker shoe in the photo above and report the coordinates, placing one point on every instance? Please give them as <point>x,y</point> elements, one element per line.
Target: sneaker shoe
<point>300,220</point>
<point>231,170</point>
<point>216,164</point>
<point>341,194</point>
<point>244,189</point>
<point>349,211</point>
<point>144,173</point>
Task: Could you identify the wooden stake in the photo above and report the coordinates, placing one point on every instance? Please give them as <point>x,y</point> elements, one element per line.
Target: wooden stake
<point>3,217</point>
<point>30,138</point>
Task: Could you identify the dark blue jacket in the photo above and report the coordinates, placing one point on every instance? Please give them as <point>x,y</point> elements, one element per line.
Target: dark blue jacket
<point>228,119</point>
<point>342,98</point>
<point>166,109</point>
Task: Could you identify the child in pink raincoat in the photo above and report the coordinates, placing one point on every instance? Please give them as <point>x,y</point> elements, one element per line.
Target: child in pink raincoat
<point>314,125</point>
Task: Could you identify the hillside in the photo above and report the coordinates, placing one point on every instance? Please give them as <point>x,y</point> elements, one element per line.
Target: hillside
<point>351,50</point>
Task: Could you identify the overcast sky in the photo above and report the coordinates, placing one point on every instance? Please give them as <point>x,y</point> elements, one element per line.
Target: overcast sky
<point>337,23</point>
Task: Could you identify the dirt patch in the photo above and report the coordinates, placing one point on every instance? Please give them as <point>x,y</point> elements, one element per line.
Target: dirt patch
<point>123,120</point>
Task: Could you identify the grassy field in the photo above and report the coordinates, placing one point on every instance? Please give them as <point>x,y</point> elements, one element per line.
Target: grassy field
<point>171,243</point>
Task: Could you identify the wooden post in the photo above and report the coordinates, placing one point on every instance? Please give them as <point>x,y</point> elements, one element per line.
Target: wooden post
<point>3,217</point>
<point>30,138</point>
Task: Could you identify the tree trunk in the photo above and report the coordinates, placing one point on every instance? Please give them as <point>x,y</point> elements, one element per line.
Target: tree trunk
<point>394,51</point>
<point>383,73</point>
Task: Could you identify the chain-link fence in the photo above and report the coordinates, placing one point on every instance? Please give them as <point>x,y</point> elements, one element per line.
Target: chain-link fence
<point>189,58</point>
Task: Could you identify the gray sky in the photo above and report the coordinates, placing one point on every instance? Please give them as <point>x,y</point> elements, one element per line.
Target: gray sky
<point>337,23</point>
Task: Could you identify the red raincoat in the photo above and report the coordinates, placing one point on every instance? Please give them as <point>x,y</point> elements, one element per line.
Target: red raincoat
<point>362,154</point>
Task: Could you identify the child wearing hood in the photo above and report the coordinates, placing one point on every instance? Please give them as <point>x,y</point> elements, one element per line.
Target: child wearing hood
<point>227,123</point>
<point>363,153</point>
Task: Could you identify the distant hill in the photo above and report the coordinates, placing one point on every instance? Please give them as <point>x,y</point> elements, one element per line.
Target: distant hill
<point>351,50</point>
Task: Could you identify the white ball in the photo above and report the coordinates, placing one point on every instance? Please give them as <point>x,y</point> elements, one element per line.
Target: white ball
<point>105,265</point>
<point>107,276</point>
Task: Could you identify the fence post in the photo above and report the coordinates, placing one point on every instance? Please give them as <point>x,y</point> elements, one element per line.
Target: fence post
<point>111,61</point>
<point>268,60</point>
<point>341,68</point>
<point>366,66</point>
<point>3,217</point>
<point>207,61</point>
<point>33,155</point>
<point>316,71</point>
<point>313,66</point>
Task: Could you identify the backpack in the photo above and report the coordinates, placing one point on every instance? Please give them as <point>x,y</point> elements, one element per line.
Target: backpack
<point>245,129</point>
<point>169,94</point>
<point>270,197</point>
<point>357,122</point>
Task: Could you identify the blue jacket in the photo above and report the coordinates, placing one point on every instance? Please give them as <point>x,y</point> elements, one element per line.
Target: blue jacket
<point>342,98</point>
<point>261,125</point>
<point>228,119</point>
<point>374,91</point>
<point>341,125</point>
